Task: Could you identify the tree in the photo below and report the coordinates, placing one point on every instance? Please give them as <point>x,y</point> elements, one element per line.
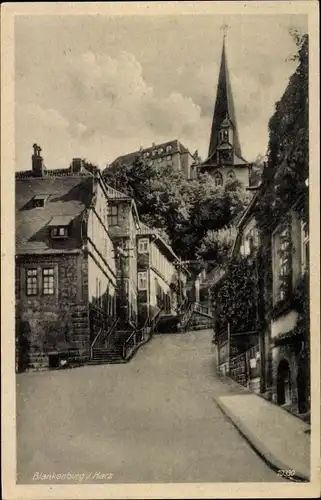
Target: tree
<point>288,149</point>
<point>216,246</point>
<point>182,210</point>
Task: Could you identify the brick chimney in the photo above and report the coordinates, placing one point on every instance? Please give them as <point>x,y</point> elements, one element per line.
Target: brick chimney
<point>77,165</point>
<point>38,167</point>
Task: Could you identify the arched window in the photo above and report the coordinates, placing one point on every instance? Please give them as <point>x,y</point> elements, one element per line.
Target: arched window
<point>224,135</point>
<point>218,179</point>
<point>231,175</point>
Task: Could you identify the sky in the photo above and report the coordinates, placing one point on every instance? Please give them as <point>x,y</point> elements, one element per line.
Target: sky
<point>99,86</point>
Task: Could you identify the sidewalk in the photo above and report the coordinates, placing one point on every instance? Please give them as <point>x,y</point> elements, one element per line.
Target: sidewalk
<point>276,435</point>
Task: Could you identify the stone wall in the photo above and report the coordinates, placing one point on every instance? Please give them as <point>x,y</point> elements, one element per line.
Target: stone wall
<point>45,320</point>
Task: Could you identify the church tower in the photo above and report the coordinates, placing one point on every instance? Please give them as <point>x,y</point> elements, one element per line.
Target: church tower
<point>225,161</point>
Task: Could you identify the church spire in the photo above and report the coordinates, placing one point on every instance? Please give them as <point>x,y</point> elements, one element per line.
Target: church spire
<point>224,107</point>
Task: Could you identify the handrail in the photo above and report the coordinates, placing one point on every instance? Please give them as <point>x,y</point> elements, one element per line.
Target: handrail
<point>185,301</point>
<point>148,322</point>
<point>155,316</point>
<point>94,341</point>
<point>111,330</point>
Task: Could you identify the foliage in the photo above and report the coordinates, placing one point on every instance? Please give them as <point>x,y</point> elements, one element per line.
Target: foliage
<point>216,246</point>
<point>185,211</point>
<point>257,170</point>
<point>284,176</point>
<point>235,296</point>
<point>288,150</point>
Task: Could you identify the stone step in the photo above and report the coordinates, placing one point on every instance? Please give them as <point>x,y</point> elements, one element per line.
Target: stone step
<point>106,361</point>
<point>106,353</point>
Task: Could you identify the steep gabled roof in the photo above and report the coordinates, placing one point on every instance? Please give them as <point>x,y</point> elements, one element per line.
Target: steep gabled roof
<point>66,196</point>
<point>224,108</point>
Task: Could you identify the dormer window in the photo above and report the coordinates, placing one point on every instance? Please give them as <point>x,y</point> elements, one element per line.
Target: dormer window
<point>59,227</point>
<point>39,200</point>
<point>154,152</point>
<point>59,232</point>
<point>160,151</point>
<point>168,148</point>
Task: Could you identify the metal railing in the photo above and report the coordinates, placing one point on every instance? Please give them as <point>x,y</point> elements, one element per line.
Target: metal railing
<point>240,368</point>
<point>196,307</point>
<point>107,338</point>
<point>186,315</point>
<point>138,335</point>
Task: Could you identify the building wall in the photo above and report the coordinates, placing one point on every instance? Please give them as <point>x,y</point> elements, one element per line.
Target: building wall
<point>288,351</point>
<point>186,161</point>
<point>46,318</point>
<point>123,236</point>
<point>161,264</point>
<point>101,255</point>
<point>160,272</point>
<point>241,174</point>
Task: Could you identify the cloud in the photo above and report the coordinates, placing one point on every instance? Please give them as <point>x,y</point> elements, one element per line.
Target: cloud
<point>105,107</point>
<point>99,88</point>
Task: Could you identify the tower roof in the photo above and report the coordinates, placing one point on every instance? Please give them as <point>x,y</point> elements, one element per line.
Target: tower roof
<point>224,108</point>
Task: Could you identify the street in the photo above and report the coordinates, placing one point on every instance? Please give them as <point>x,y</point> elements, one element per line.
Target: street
<point>152,420</point>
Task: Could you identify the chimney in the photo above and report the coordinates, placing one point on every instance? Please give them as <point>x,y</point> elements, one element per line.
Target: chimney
<point>38,167</point>
<point>77,165</point>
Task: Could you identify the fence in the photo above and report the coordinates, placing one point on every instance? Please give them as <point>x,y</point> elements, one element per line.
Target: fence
<point>245,367</point>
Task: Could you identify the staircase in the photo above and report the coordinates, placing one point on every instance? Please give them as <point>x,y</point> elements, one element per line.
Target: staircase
<point>107,355</point>
<point>195,317</point>
<point>120,345</point>
<point>108,347</point>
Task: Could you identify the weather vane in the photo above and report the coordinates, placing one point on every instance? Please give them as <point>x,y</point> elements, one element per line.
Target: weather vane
<point>224,28</point>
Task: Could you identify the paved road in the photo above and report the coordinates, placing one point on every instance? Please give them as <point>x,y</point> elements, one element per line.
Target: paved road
<point>151,420</point>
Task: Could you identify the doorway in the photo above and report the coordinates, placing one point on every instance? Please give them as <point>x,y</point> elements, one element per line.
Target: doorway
<point>284,383</point>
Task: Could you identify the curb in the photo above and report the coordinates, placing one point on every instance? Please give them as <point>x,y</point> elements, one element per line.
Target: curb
<point>273,462</point>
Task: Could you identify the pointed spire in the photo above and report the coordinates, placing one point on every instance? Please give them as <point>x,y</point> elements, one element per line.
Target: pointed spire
<point>224,105</point>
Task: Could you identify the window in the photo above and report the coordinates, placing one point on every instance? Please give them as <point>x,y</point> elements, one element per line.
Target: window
<point>150,163</point>
<point>168,148</point>
<point>142,280</point>
<point>218,179</point>
<point>48,281</point>
<point>160,151</point>
<point>231,175</point>
<point>154,152</point>
<point>39,200</point>
<point>146,155</point>
<point>160,160</point>
<point>143,245</point>
<point>224,135</point>
<point>113,215</point>
<point>32,282</point>
<point>282,267</point>
<point>59,232</point>
<point>305,247</point>
<point>169,157</point>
